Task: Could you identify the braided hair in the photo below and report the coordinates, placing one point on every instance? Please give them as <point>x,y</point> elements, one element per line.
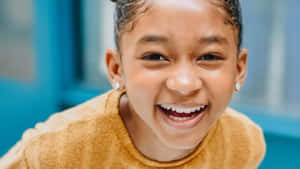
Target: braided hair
<point>128,10</point>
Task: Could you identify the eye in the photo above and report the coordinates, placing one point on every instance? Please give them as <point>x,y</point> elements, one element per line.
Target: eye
<point>210,57</point>
<point>154,57</point>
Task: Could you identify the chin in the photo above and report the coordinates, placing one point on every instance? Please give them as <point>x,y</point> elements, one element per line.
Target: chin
<point>183,142</point>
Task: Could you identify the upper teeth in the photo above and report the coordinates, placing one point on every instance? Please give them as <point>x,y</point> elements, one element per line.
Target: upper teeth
<point>180,109</point>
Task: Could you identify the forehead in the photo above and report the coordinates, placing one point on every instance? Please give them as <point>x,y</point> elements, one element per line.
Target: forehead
<point>180,4</point>
<point>181,20</point>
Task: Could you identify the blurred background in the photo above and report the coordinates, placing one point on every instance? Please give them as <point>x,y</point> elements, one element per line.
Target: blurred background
<point>52,58</point>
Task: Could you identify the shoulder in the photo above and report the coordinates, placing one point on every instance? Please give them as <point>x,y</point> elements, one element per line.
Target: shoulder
<point>62,120</point>
<point>232,117</point>
<point>244,140</point>
<point>65,135</point>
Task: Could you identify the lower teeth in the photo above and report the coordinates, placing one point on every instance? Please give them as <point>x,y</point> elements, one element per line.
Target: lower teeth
<point>180,118</point>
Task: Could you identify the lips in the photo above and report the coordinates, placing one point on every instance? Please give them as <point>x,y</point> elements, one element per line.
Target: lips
<point>182,117</point>
<point>180,112</point>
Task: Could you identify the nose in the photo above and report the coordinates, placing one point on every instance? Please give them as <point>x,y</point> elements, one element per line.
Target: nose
<point>184,81</point>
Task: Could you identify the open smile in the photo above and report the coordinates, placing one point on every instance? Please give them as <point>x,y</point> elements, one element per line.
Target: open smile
<point>183,117</point>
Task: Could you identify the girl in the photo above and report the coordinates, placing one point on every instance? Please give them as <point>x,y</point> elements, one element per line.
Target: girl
<point>174,71</point>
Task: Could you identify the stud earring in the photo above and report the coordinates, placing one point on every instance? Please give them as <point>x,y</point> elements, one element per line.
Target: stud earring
<point>237,86</point>
<point>117,85</point>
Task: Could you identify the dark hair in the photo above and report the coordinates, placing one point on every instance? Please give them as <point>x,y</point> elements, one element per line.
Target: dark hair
<point>127,10</point>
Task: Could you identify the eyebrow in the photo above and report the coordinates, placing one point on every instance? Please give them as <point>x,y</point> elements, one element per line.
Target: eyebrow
<point>213,39</point>
<point>162,39</point>
<point>153,38</point>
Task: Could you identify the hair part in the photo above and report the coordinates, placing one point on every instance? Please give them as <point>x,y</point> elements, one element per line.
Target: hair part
<point>126,11</point>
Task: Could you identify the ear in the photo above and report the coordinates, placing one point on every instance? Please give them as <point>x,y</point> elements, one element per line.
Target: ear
<point>114,67</point>
<point>242,67</point>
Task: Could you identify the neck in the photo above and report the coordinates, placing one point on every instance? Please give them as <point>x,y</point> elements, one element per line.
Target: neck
<point>144,138</point>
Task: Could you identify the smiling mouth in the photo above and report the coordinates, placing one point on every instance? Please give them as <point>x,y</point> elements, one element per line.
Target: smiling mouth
<point>182,114</point>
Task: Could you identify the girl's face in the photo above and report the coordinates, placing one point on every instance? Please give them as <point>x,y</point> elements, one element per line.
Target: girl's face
<point>179,66</point>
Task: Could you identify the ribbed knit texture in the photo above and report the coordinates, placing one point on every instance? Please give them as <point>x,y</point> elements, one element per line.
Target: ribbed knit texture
<point>93,136</point>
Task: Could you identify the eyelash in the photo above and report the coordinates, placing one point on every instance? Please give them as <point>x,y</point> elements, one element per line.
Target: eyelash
<point>209,57</point>
<point>159,57</point>
<point>154,57</point>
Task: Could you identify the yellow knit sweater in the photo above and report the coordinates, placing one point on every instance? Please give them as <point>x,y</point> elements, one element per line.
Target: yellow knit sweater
<point>93,136</point>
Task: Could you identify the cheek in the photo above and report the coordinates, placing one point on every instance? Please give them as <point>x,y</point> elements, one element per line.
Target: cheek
<point>144,81</point>
<point>142,88</point>
<point>220,85</point>
<point>219,91</point>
